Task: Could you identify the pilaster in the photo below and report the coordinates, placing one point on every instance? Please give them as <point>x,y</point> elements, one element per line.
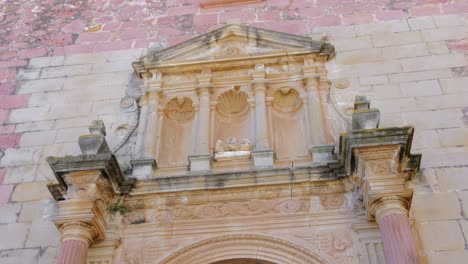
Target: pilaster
<point>379,162</point>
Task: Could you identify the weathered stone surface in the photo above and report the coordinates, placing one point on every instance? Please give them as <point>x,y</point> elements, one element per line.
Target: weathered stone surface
<point>70,134</point>
<point>394,39</point>
<point>16,256</point>
<point>65,71</point>
<point>449,20</point>
<point>455,257</point>
<point>28,74</point>
<point>463,196</point>
<point>454,85</point>
<point>9,213</point>
<point>421,88</point>
<point>441,235</point>
<point>30,191</point>
<point>438,34</point>
<point>372,80</point>
<point>43,62</point>
<point>435,119</point>
<point>13,236</point>
<point>452,179</point>
<point>34,126</point>
<point>43,233</point>
<point>420,75</point>
<point>20,174</point>
<point>418,23</point>
<point>22,156</point>
<point>29,114</point>
<point>31,211</point>
<point>437,47</point>
<point>30,139</point>
<point>434,206</point>
<point>425,139</point>
<point>382,27</point>
<point>433,62</point>
<point>454,137</point>
<point>48,256</point>
<point>364,42</point>
<point>38,86</point>
<point>442,157</point>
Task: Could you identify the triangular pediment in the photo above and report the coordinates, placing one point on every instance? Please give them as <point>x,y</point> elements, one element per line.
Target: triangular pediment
<point>232,42</point>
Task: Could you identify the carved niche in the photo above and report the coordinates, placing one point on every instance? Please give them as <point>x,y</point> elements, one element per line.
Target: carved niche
<point>176,134</point>
<point>232,120</point>
<point>289,121</point>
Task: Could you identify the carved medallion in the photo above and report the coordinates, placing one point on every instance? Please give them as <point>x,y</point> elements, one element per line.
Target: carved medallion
<point>233,103</point>
<point>287,100</point>
<point>180,109</point>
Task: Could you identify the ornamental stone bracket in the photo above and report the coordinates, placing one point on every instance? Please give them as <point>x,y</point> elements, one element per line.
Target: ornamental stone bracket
<point>379,162</point>
<point>87,184</point>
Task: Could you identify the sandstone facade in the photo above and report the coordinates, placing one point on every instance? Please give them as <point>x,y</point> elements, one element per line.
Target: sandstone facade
<point>408,58</point>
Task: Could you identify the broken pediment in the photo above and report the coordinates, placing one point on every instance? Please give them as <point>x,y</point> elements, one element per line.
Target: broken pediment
<point>230,43</point>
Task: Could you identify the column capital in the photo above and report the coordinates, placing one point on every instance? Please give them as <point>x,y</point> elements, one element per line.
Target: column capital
<point>380,163</point>
<point>390,204</point>
<point>77,230</point>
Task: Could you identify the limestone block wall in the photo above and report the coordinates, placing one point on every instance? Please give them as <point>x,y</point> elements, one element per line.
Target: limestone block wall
<point>65,63</point>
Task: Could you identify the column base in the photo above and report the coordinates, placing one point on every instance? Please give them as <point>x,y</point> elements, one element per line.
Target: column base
<point>322,153</point>
<point>200,162</point>
<point>263,158</point>
<point>143,168</point>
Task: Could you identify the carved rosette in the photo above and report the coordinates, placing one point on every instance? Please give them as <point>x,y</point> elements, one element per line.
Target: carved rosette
<point>180,110</point>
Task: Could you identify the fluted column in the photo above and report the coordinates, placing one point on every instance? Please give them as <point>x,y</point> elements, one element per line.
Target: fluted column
<point>391,214</point>
<point>76,239</point>
<point>261,132</point>
<point>201,159</point>
<point>263,155</point>
<point>148,128</point>
<point>203,121</point>
<point>152,127</point>
<point>311,80</point>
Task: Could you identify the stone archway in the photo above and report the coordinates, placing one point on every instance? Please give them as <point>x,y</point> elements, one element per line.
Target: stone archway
<point>260,248</point>
<point>243,261</point>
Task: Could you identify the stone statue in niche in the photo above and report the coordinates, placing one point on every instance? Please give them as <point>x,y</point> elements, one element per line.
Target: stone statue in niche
<point>232,149</point>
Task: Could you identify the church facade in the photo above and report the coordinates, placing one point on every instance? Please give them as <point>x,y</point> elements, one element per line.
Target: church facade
<point>245,142</point>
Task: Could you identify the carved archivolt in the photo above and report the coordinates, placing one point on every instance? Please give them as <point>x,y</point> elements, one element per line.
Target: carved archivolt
<point>233,103</point>
<point>245,246</point>
<point>287,100</point>
<point>179,109</point>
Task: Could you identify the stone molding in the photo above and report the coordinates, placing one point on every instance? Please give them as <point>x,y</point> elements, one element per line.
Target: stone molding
<point>223,247</point>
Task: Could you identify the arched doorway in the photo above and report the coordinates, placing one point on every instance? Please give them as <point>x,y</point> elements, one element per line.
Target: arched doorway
<point>245,249</point>
<point>243,261</point>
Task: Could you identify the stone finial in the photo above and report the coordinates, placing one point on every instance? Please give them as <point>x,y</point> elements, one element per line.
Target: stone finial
<point>97,128</point>
<point>94,143</point>
<point>364,117</point>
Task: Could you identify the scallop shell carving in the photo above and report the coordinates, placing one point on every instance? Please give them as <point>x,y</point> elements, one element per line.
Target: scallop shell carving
<point>286,100</point>
<point>233,103</point>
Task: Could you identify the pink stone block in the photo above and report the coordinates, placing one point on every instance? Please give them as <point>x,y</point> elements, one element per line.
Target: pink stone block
<point>14,101</point>
<point>5,192</point>
<point>268,15</point>
<point>357,19</point>
<point>7,88</point>
<point>2,175</point>
<point>73,27</point>
<point>279,3</point>
<point>13,63</point>
<point>32,53</point>
<point>311,12</point>
<point>459,45</point>
<point>94,36</point>
<point>9,140</point>
<point>136,33</point>
<point>425,10</point>
<point>7,129</point>
<point>391,15</point>
<point>3,116</point>
<point>75,49</point>
<point>116,45</point>
<point>325,21</point>
<point>205,19</point>
<point>182,10</point>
